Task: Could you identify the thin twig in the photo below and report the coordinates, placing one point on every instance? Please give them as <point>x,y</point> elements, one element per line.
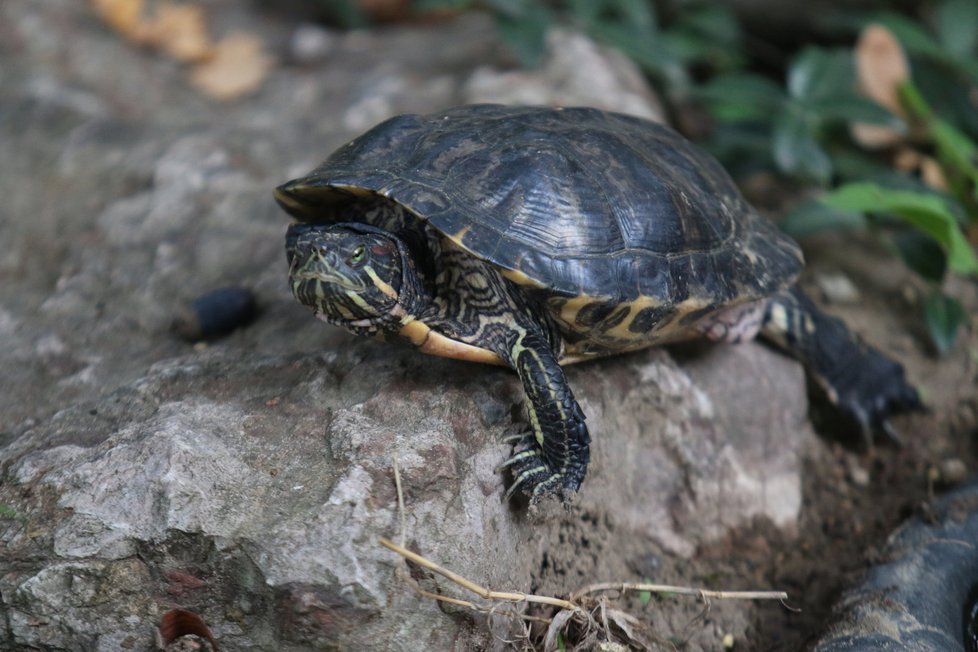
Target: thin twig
<point>481,591</point>
<point>682,590</point>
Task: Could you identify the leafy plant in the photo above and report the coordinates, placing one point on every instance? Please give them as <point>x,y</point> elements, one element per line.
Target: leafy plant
<point>802,130</point>
<point>938,244</point>
<point>703,34</point>
<point>794,121</point>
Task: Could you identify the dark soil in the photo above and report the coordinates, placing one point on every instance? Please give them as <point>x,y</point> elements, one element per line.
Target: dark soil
<point>854,495</point>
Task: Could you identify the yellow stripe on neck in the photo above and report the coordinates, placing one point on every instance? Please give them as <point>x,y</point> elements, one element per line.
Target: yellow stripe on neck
<point>379,283</point>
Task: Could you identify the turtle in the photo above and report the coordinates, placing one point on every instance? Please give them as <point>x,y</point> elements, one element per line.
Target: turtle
<point>535,237</point>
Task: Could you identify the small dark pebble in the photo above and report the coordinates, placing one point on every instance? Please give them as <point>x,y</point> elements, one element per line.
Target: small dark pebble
<point>216,314</point>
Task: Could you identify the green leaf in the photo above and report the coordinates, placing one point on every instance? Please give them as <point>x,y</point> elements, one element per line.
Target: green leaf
<point>741,96</point>
<point>709,35</point>
<point>818,73</point>
<point>585,12</point>
<point>813,216</point>
<point>649,51</point>
<point>639,14</point>
<point>743,147</point>
<point>922,254</point>
<point>716,22</point>
<point>850,107</point>
<point>946,89</point>
<point>512,8</point>
<point>944,316</point>
<point>795,150</point>
<point>428,5</point>
<point>927,212</point>
<point>526,34</point>
<point>645,597</point>
<point>854,164</point>
<point>956,151</point>
<point>957,26</point>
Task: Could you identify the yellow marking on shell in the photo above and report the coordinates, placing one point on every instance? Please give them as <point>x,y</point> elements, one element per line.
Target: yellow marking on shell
<point>673,329</point>
<point>619,338</point>
<point>520,278</point>
<point>779,317</point>
<point>380,283</point>
<point>571,308</point>
<point>285,199</point>
<point>294,197</point>
<point>620,330</point>
<point>457,237</point>
<point>434,343</point>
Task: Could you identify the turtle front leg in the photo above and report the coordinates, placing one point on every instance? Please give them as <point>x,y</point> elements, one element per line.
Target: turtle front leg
<point>556,455</point>
<point>865,384</point>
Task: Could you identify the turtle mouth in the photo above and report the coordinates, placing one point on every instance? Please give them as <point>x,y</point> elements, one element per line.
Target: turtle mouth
<point>316,270</point>
<point>327,278</point>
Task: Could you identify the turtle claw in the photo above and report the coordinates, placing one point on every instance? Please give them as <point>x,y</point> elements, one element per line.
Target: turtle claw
<point>872,407</point>
<point>892,434</point>
<point>520,438</point>
<point>518,458</point>
<point>532,476</point>
<point>529,481</point>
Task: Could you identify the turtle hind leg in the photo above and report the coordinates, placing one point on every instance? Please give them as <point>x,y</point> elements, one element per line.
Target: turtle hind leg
<point>862,382</point>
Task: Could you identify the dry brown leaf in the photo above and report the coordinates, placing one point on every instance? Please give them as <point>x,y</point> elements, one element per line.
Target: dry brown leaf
<point>180,30</point>
<point>881,67</point>
<point>932,174</point>
<point>875,136</point>
<point>237,66</point>
<point>907,159</point>
<point>910,161</point>
<point>124,16</point>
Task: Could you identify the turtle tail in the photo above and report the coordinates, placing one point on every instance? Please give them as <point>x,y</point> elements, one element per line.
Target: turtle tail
<point>866,385</point>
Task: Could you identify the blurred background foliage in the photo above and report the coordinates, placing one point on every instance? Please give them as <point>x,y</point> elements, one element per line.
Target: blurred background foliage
<point>869,117</point>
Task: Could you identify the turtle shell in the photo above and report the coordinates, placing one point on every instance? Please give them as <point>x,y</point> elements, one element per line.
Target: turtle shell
<point>620,223</point>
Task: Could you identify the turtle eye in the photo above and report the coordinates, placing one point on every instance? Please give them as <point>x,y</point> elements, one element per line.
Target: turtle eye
<point>358,255</point>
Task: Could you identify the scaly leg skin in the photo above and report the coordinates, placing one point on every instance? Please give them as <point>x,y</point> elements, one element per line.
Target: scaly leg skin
<point>863,383</point>
<point>553,456</point>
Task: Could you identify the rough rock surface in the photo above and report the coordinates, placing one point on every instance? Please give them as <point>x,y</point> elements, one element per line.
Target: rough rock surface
<point>249,480</point>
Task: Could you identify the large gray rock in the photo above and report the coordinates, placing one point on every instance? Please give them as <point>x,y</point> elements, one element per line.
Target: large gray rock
<point>250,480</point>
<point>277,473</point>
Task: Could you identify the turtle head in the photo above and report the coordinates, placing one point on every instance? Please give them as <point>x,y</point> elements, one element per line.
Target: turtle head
<point>351,274</point>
